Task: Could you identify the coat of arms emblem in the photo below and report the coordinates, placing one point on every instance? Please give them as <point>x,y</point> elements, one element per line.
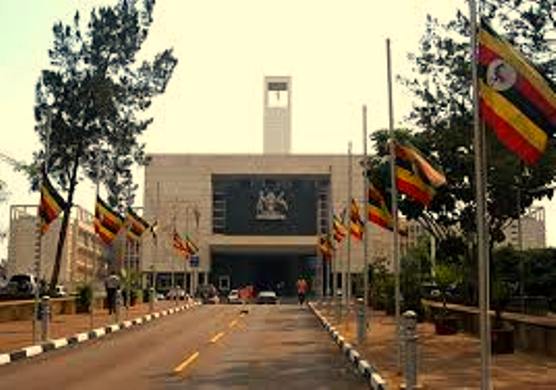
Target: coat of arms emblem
<point>271,205</point>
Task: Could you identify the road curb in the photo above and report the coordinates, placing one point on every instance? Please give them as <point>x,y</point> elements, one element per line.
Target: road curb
<point>361,366</point>
<point>34,350</point>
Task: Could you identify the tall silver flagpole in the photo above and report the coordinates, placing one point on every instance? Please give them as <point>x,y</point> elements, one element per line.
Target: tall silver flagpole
<point>366,219</point>
<point>348,271</point>
<point>157,220</point>
<point>482,233</point>
<point>330,271</point>
<point>38,242</point>
<point>96,246</point>
<point>394,192</point>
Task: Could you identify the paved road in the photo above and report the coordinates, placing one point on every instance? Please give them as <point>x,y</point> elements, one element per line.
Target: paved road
<point>210,347</point>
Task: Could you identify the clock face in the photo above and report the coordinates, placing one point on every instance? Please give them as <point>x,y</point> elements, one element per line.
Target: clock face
<point>278,98</point>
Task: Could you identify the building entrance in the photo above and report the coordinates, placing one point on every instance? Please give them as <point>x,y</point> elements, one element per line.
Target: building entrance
<point>277,272</point>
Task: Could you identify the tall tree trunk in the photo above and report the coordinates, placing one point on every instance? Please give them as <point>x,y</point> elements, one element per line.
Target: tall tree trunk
<point>65,222</point>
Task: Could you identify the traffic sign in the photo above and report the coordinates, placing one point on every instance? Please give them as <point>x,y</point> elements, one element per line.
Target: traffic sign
<point>194,261</point>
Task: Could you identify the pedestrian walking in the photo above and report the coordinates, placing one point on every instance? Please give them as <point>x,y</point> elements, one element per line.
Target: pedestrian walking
<point>302,288</point>
<point>112,284</point>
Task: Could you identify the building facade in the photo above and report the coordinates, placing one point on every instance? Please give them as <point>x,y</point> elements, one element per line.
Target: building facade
<point>82,260</point>
<point>533,230</point>
<point>255,218</point>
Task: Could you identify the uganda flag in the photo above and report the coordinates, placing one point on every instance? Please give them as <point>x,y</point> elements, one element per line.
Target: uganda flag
<point>415,176</point>
<point>325,247</point>
<point>191,247</point>
<point>339,231</point>
<point>136,225</point>
<point>179,244</point>
<point>517,101</point>
<point>107,222</point>
<point>51,204</point>
<point>356,226</point>
<point>378,212</point>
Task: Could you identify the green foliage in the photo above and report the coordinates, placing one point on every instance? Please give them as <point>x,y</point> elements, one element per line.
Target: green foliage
<point>382,288</point>
<point>446,276</point>
<point>415,270</point>
<point>84,298</point>
<point>441,83</point>
<point>442,118</point>
<point>539,267</point>
<point>93,97</point>
<point>501,292</point>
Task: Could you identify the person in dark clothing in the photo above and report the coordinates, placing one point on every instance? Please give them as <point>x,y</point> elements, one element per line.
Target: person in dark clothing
<point>112,284</point>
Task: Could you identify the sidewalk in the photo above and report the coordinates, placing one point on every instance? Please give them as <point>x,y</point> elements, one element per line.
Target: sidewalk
<point>445,362</point>
<point>18,334</point>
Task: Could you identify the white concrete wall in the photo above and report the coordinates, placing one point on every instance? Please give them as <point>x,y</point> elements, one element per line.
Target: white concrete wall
<point>185,183</point>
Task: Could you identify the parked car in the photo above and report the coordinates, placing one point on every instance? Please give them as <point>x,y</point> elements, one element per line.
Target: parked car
<point>176,293</point>
<point>233,297</point>
<point>60,291</point>
<point>159,296</point>
<point>22,286</point>
<point>267,297</point>
<point>208,294</point>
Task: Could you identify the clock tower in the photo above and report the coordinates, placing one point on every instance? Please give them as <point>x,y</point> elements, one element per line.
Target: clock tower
<point>277,115</point>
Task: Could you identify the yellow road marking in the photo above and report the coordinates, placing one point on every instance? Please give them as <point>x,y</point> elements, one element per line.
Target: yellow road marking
<point>187,362</point>
<point>217,337</point>
<point>233,323</point>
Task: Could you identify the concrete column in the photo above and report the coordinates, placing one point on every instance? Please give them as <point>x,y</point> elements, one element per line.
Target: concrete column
<point>45,318</point>
<point>410,349</point>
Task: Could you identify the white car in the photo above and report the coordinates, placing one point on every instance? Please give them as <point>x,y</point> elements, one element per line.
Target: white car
<point>233,297</point>
<point>176,293</point>
<point>60,291</point>
<point>269,297</point>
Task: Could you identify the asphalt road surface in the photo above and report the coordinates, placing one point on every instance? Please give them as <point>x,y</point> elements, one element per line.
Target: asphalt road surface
<point>211,347</point>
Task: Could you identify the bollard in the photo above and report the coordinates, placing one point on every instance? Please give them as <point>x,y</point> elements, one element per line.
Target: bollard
<point>45,317</point>
<point>361,326</point>
<point>118,306</point>
<point>410,349</point>
<point>151,300</point>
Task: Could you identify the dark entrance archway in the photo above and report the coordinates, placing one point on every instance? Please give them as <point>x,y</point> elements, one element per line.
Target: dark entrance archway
<point>277,272</point>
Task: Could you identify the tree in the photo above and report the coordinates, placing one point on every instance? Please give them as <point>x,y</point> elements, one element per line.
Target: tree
<point>442,117</point>
<point>443,114</point>
<point>90,102</point>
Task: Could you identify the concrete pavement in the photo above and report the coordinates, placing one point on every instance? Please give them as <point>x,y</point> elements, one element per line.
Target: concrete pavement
<point>445,362</point>
<point>274,347</point>
<point>209,348</point>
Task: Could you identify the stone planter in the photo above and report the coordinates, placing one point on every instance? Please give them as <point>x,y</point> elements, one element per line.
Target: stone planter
<point>502,340</point>
<point>446,325</point>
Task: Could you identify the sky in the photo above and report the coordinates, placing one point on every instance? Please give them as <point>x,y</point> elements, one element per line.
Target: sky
<point>334,50</point>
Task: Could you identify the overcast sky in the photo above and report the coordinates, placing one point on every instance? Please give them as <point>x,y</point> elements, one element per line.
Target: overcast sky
<point>334,50</point>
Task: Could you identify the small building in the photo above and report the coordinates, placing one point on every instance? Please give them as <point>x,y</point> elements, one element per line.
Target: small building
<point>82,254</point>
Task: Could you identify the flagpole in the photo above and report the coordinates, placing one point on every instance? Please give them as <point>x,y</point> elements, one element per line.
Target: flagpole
<point>366,231</point>
<point>482,233</point>
<point>394,193</point>
<point>96,246</point>
<point>350,196</point>
<point>38,242</point>
<point>173,262</point>
<point>156,236</point>
<point>333,265</point>
<point>329,287</point>
<point>187,210</point>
